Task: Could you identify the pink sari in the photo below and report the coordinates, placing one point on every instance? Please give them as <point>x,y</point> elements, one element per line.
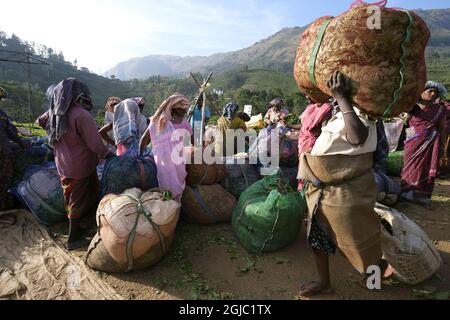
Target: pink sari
<point>312,119</point>
<point>171,175</point>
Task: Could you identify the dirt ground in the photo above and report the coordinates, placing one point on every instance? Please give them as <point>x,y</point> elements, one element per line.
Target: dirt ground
<point>207,262</point>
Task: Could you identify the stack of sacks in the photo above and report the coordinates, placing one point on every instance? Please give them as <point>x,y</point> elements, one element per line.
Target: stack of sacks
<point>204,200</point>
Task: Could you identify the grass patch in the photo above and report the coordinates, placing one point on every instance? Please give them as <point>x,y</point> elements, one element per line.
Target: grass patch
<point>33,128</point>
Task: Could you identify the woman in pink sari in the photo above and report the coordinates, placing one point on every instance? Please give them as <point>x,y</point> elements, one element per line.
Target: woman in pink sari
<point>166,132</point>
<point>423,145</point>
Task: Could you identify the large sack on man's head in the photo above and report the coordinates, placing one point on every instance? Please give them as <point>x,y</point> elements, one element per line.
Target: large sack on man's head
<point>135,231</point>
<point>387,65</point>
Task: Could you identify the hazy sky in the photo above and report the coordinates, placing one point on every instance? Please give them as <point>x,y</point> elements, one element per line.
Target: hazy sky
<point>102,33</point>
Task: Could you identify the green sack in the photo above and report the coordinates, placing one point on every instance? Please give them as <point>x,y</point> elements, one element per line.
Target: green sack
<point>269,215</point>
<point>395,163</point>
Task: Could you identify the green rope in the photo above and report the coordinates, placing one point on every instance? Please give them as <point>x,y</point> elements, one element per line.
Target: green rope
<point>388,111</point>
<point>315,52</point>
<point>141,210</point>
<point>272,235</point>
<point>244,207</point>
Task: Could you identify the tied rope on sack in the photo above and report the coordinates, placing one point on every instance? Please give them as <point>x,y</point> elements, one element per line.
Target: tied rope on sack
<point>408,38</point>
<point>148,215</point>
<point>285,195</point>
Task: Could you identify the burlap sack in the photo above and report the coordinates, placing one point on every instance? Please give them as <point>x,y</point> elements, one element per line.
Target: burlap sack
<point>374,59</point>
<point>207,204</point>
<point>126,233</point>
<point>204,174</point>
<point>408,249</point>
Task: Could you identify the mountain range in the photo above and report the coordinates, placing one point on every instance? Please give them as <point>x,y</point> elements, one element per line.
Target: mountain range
<point>275,53</point>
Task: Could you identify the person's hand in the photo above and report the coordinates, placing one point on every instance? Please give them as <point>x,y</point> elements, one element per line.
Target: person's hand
<point>340,85</point>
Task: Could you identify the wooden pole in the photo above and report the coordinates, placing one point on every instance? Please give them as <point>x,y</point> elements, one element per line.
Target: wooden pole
<point>202,129</point>
<point>29,91</point>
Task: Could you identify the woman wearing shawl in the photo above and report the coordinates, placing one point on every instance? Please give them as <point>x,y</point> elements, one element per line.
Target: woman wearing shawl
<point>276,112</point>
<point>423,144</point>
<point>78,146</point>
<point>127,128</point>
<point>340,190</point>
<point>166,126</point>
<point>228,121</point>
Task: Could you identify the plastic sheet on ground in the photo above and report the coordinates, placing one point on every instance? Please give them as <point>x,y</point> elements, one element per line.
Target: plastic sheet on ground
<point>34,267</point>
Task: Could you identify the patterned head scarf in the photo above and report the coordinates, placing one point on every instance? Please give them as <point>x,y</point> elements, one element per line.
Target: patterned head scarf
<point>65,94</point>
<point>277,103</point>
<point>438,86</point>
<point>164,112</point>
<point>230,110</point>
<point>140,101</point>
<point>49,93</point>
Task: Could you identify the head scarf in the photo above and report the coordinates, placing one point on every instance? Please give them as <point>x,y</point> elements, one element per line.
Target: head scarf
<point>65,94</point>
<point>164,112</point>
<point>111,103</point>
<point>277,102</point>
<point>49,93</point>
<point>140,101</point>
<point>230,110</point>
<point>126,115</point>
<point>438,86</point>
